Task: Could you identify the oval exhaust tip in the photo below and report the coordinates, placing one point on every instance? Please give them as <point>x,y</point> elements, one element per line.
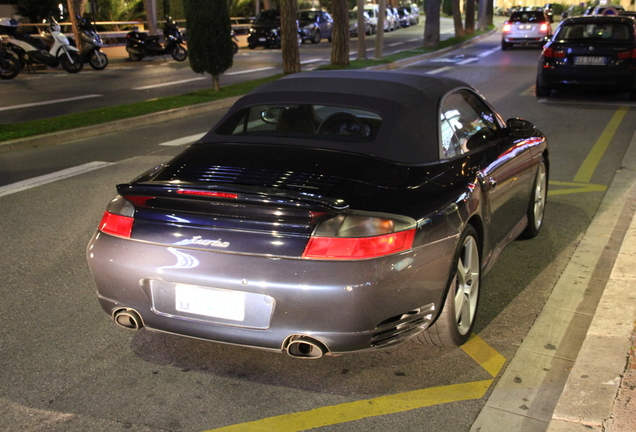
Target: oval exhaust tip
<point>306,347</point>
<point>128,318</point>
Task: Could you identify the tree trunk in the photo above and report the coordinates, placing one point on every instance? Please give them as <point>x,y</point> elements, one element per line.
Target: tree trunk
<point>379,37</point>
<point>215,83</point>
<point>362,49</point>
<point>150,6</point>
<point>470,16</point>
<point>431,25</point>
<point>457,19</point>
<point>340,34</point>
<point>75,9</point>
<point>289,36</point>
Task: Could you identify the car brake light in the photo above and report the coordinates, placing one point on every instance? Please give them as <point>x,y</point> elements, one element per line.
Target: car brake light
<point>627,54</point>
<point>551,53</point>
<point>356,236</point>
<point>119,216</point>
<point>117,225</point>
<point>544,28</point>
<point>506,28</point>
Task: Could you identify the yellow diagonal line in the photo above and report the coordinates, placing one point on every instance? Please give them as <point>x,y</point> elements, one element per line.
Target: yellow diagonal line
<point>571,188</point>
<point>351,411</point>
<point>484,355</point>
<point>586,170</point>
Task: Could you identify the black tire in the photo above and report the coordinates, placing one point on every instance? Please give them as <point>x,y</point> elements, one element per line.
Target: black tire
<point>505,46</point>
<point>542,90</point>
<point>179,53</point>
<point>135,57</point>
<point>536,204</point>
<point>235,47</point>
<point>251,46</point>
<point>315,39</point>
<point>11,67</point>
<point>76,66</point>
<point>632,95</point>
<point>453,327</point>
<point>98,60</point>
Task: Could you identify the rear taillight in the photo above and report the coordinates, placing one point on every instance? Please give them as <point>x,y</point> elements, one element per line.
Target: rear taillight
<point>552,53</point>
<point>544,28</point>
<point>627,54</point>
<point>506,28</point>
<point>357,236</point>
<point>119,217</point>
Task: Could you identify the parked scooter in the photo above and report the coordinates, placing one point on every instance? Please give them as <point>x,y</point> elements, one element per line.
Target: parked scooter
<point>91,44</point>
<point>140,45</point>
<point>31,51</point>
<point>235,46</point>
<point>9,64</point>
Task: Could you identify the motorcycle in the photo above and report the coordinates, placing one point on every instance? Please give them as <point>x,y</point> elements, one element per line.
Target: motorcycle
<point>235,46</point>
<point>9,64</point>
<point>140,45</point>
<point>31,51</point>
<point>91,44</point>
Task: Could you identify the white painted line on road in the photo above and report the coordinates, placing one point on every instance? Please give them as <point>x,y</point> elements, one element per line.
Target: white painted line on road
<point>171,83</point>
<point>311,61</point>
<point>50,178</point>
<point>395,44</point>
<point>71,99</point>
<point>470,60</point>
<point>183,141</point>
<point>249,71</point>
<point>440,70</point>
<point>414,40</point>
<point>487,53</point>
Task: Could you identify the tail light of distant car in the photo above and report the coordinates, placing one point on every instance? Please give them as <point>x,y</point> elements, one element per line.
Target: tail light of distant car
<point>552,53</point>
<point>627,54</point>
<point>544,28</point>
<point>507,27</point>
<point>360,236</point>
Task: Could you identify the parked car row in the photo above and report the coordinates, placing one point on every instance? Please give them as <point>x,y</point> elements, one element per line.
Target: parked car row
<point>314,25</point>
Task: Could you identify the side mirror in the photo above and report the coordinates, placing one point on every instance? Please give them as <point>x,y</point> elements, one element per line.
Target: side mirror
<point>520,128</point>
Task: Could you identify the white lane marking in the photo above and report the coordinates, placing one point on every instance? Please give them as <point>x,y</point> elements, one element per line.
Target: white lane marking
<point>183,141</point>
<point>470,60</point>
<point>71,99</point>
<point>249,71</point>
<point>440,70</point>
<point>311,61</point>
<point>50,178</point>
<point>487,53</point>
<point>395,44</point>
<point>170,83</point>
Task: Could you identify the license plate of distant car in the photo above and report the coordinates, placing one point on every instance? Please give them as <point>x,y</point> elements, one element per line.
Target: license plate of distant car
<point>590,60</point>
<point>210,302</point>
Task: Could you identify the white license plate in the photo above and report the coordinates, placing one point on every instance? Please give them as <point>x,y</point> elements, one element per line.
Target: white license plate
<point>589,60</point>
<point>262,39</point>
<point>210,302</point>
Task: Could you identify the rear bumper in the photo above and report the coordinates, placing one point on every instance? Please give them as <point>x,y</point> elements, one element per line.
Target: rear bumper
<point>590,76</point>
<point>346,305</point>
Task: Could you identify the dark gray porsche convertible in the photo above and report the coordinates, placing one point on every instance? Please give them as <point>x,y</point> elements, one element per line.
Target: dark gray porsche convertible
<point>326,213</point>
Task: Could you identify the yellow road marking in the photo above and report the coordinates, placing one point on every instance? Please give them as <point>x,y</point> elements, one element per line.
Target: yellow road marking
<point>586,170</point>
<point>571,187</point>
<point>476,348</point>
<point>352,411</point>
<point>484,355</point>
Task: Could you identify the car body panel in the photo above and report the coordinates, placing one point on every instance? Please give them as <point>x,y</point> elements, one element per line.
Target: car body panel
<point>315,25</point>
<point>526,28</point>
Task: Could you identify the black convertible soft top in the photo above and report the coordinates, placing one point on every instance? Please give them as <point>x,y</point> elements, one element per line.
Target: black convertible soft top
<point>407,102</point>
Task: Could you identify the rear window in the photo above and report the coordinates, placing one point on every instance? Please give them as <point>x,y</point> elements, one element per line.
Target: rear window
<point>306,120</point>
<point>268,17</point>
<point>527,17</point>
<point>595,31</point>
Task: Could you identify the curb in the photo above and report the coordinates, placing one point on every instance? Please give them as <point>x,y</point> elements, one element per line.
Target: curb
<point>69,135</point>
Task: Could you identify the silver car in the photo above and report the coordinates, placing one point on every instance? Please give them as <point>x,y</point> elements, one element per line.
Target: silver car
<point>525,28</point>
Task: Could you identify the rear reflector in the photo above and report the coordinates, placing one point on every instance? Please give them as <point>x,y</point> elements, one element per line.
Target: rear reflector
<point>207,193</point>
<point>359,247</point>
<point>117,225</point>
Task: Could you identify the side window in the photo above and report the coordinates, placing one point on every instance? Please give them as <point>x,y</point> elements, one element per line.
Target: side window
<point>466,123</point>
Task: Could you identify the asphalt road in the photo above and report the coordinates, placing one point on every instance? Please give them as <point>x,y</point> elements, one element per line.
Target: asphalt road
<point>66,367</point>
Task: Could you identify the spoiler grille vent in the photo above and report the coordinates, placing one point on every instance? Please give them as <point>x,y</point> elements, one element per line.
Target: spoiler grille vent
<point>311,183</point>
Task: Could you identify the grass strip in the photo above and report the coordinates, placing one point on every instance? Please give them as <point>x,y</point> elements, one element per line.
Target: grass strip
<point>14,131</point>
